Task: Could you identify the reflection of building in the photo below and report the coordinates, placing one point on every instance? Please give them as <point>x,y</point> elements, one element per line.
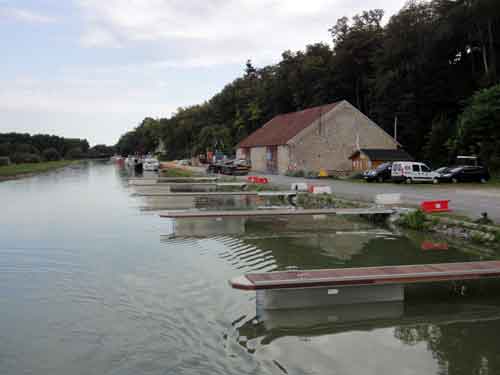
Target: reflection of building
<point>316,138</point>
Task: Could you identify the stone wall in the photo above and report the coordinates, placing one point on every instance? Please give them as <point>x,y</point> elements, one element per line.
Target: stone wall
<point>258,159</point>
<point>283,159</point>
<point>330,140</point>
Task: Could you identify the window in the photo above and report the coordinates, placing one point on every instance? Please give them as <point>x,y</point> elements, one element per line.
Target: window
<point>425,168</point>
<point>416,168</point>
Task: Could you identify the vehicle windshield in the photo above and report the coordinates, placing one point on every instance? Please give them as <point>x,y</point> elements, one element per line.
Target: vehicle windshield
<point>383,166</point>
<point>456,169</point>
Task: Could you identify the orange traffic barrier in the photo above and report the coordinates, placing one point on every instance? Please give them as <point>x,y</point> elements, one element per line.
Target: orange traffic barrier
<point>435,206</point>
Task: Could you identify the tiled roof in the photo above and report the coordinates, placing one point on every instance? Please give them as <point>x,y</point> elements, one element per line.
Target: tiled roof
<point>384,154</point>
<point>280,129</point>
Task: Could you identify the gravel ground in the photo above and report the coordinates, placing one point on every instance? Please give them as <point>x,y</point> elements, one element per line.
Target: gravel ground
<point>467,199</point>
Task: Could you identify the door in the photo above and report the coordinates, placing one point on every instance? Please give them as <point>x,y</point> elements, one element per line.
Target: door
<point>272,159</point>
<point>426,173</point>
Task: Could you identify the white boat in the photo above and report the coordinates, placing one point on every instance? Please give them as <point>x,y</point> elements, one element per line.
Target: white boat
<point>151,164</point>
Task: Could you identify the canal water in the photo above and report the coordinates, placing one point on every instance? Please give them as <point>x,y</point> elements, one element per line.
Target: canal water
<point>92,281</point>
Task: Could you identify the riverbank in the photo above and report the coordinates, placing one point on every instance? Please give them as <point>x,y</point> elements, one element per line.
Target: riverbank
<point>16,171</point>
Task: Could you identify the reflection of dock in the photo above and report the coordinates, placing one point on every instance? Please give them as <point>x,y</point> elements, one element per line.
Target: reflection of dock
<point>276,212</point>
<point>273,324</point>
<point>295,289</point>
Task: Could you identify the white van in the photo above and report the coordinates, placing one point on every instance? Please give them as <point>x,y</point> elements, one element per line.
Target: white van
<point>409,171</point>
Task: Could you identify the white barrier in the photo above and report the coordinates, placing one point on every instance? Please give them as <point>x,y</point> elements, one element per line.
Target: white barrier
<point>322,190</point>
<point>383,199</point>
<point>299,186</point>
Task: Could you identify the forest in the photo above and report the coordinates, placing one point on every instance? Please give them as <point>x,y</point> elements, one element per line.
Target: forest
<point>434,66</point>
<point>26,148</point>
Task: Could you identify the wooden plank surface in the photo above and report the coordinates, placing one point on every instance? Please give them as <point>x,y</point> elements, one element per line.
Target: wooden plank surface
<point>276,212</point>
<point>404,274</point>
<point>218,193</point>
<point>198,193</point>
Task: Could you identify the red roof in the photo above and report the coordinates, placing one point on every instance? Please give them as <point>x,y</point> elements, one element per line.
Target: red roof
<point>280,129</point>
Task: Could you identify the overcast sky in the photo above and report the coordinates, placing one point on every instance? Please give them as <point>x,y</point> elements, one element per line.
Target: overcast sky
<point>95,68</point>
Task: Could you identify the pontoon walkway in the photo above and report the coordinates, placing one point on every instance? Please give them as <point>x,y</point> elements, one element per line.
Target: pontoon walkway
<point>406,274</point>
<point>276,212</point>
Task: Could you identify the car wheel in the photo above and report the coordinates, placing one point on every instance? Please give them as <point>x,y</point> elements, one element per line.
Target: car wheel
<point>454,180</point>
<point>435,181</point>
<point>482,180</point>
<point>408,180</point>
<point>380,179</point>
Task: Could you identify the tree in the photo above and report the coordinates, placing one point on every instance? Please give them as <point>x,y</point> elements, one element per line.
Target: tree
<point>478,127</point>
<point>51,154</point>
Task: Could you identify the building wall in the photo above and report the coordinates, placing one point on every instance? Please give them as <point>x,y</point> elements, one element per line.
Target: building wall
<point>258,159</point>
<point>283,159</point>
<point>330,140</point>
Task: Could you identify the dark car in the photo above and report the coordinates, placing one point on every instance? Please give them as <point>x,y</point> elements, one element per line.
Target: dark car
<point>465,173</point>
<point>380,174</point>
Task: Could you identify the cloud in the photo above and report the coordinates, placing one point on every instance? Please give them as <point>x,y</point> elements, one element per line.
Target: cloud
<point>98,37</point>
<point>24,15</point>
<point>216,32</point>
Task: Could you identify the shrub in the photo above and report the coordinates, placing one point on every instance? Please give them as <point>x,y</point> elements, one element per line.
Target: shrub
<point>295,173</point>
<point>25,157</point>
<point>414,220</point>
<point>51,154</point>
<point>4,160</point>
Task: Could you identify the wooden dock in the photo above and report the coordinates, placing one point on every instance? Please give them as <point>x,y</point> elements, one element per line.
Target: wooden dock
<point>301,289</point>
<point>192,184</point>
<point>219,193</point>
<point>341,277</point>
<point>175,179</point>
<point>275,212</point>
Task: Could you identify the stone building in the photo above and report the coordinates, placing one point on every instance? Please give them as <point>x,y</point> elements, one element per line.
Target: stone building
<point>317,138</point>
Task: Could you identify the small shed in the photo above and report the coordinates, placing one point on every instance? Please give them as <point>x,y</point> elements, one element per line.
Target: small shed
<point>367,158</point>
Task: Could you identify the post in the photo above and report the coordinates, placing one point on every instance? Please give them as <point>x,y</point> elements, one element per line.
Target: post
<point>396,128</point>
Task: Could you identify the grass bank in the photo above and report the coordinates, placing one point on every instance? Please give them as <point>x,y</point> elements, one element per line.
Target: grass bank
<point>20,170</point>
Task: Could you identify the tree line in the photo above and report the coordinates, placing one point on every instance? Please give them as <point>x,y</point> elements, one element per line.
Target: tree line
<point>423,68</point>
<point>26,148</point>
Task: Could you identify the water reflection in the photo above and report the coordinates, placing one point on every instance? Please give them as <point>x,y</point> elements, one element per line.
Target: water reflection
<point>444,328</point>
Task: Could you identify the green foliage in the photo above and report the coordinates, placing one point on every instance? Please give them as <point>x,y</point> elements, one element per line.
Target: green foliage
<point>23,144</point>
<point>415,220</point>
<point>297,173</point>
<point>51,154</point>
<point>14,170</point>
<point>175,172</point>
<point>74,153</point>
<point>24,157</point>
<point>478,127</point>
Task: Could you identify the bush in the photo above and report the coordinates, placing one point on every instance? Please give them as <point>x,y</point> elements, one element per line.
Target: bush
<point>414,220</point>
<point>297,173</point>
<point>4,160</point>
<point>25,157</point>
<point>51,154</point>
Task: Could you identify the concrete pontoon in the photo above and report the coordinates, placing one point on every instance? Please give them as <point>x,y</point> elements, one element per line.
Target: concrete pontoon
<point>297,289</point>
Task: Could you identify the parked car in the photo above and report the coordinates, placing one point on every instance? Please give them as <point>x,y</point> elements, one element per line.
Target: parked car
<point>230,167</point>
<point>380,174</point>
<point>464,173</point>
<point>409,172</point>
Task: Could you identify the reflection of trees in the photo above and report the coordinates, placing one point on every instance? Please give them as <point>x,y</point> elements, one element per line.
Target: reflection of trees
<point>460,348</point>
